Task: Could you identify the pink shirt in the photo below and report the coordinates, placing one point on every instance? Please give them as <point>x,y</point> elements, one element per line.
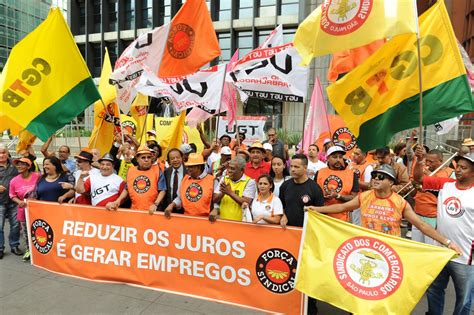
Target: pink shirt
<point>19,187</point>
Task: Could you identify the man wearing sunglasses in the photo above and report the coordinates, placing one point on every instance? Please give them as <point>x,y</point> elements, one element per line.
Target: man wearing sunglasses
<point>382,210</point>
<point>455,219</point>
<point>146,184</point>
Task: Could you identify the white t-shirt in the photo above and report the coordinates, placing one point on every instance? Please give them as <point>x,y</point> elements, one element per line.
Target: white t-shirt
<point>313,168</point>
<point>276,189</point>
<point>455,214</point>
<point>211,159</point>
<point>77,173</point>
<point>104,189</point>
<point>269,207</point>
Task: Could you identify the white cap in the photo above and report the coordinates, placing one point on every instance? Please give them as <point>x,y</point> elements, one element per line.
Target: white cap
<point>268,146</point>
<point>335,149</point>
<point>151,132</point>
<point>226,150</point>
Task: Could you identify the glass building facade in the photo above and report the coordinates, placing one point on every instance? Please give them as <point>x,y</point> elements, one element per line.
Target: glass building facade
<point>243,24</point>
<point>17,19</point>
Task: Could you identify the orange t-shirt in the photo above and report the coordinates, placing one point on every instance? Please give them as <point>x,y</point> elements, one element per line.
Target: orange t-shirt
<point>196,195</point>
<point>381,214</point>
<point>426,203</point>
<point>340,181</point>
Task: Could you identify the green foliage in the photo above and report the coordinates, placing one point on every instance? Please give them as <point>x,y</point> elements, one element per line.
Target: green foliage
<point>290,138</point>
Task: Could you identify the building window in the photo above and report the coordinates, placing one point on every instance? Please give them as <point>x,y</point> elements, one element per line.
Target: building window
<point>96,59</point>
<point>82,49</point>
<point>262,35</point>
<point>82,17</point>
<point>271,109</point>
<point>96,16</point>
<point>112,48</point>
<point>245,9</point>
<point>288,35</point>
<point>224,43</point>
<point>129,15</point>
<point>112,10</point>
<point>244,43</point>
<point>147,14</point>
<point>165,11</point>
<point>224,8</point>
<point>267,8</point>
<point>289,7</point>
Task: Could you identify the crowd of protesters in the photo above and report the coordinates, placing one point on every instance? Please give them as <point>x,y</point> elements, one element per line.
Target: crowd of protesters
<point>262,184</point>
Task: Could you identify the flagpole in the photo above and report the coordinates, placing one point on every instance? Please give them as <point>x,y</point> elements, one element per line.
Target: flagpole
<point>420,81</point>
<point>107,113</point>
<point>144,123</point>
<point>302,132</point>
<point>78,134</point>
<point>220,103</point>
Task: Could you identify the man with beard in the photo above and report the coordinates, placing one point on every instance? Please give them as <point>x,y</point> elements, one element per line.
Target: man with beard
<point>146,183</point>
<point>455,220</point>
<point>338,182</point>
<point>257,166</point>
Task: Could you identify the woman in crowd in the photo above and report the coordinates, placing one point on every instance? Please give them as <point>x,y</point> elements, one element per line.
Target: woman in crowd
<point>266,207</point>
<point>20,187</point>
<point>279,173</point>
<point>50,185</point>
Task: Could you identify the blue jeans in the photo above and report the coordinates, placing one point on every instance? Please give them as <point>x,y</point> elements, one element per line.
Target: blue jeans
<point>9,211</point>
<point>463,279</point>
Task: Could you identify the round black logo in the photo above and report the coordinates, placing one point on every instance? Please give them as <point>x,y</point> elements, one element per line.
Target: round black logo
<point>42,236</point>
<point>344,136</point>
<point>180,41</point>
<point>194,192</point>
<point>276,270</point>
<point>141,184</point>
<point>332,183</point>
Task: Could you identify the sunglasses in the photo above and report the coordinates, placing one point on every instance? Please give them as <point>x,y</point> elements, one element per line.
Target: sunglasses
<point>379,176</point>
<point>145,157</point>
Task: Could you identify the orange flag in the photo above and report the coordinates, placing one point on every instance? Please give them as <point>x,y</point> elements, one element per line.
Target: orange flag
<point>192,41</point>
<point>344,61</point>
<point>338,133</point>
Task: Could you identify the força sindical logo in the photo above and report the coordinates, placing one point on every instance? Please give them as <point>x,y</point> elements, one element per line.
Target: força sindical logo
<point>181,41</point>
<point>42,236</point>
<point>342,17</point>
<point>368,268</point>
<point>276,270</point>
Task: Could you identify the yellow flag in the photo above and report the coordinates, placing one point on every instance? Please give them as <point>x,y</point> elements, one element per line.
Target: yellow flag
<point>138,111</point>
<point>173,138</point>
<point>383,93</point>
<point>105,120</point>
<point>190,135</point>
<point>363,271</point>
<point>340,25</point>
<point>7,123</point>
<point>45,83</point>
<point>25,139</point>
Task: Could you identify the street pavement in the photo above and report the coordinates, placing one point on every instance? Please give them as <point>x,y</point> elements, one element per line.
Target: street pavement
<point>25,289</point>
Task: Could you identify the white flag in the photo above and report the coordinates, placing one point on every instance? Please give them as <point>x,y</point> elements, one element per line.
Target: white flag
<point>272,73</point>
<point>202,89</point>
<point>146,50</point>
<point>275,38</point>
<point>445,126</point>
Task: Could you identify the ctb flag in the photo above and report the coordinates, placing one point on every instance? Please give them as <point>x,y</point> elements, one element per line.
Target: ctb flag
<point>45,83</point>
<point>382,94</point>
<point>363,271</point>
<point>340,25</point>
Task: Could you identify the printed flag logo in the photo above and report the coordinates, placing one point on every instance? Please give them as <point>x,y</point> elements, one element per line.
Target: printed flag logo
<point>181,41</point>
<point>343,17</point>
<point>42,236</point>
<point>368,268</point>
<point>276,270</point>
<point>344,136</point>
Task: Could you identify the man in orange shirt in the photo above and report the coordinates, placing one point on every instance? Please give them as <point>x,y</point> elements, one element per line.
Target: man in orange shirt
<point>257,166</point>
<point>338,182</point>
<point>196,190</point>
<point>426,202</point>
<point>146,184</point>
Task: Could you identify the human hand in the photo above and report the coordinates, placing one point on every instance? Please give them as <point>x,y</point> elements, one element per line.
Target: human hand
<point>258,218</point>
<point>213,215</point>
<point>283,221</point>
<point>112,206</point>
<point>456,248</point>
<point>152,209</point>
<point>225,188</point>
<point>2,188</point>
<point>61,199</point>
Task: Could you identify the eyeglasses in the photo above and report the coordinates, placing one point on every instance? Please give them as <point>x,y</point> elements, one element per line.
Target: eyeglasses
<point>145,157</point>
<point>378,176</point>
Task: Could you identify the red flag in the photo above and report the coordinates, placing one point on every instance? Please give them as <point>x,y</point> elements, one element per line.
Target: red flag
<point>317,122</point>
<point>192,41</point>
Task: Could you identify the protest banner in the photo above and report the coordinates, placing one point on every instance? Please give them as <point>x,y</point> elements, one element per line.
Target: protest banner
<point>252,126</point>
<point>237,263</point>
<point>190,135</point>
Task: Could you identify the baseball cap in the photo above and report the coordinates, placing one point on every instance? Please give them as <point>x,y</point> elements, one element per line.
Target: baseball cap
<point>335,149</point>
<point>226,150</point>
<point>185,148</point>
<point>268,146</point>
